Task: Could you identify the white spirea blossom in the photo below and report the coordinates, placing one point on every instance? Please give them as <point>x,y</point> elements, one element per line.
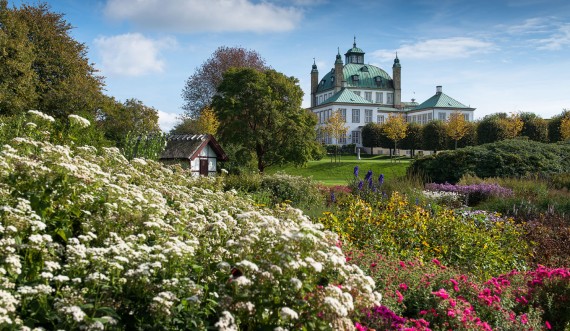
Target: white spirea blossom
<point>287,313</point>
<point>226,322</point>
<point>74,312</point>
<point>41,115</point>
<point>79,121</point>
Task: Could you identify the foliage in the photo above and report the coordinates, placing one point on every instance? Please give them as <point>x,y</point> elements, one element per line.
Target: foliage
<point>565,127</point>
<point>508,158</point>
<point>92,241</point>
<point>146,145</point>
<point>132,117</point>
<point>434,136</point>
<point>413,139</point>
<point>512,126</point>
<point>478,243</point>
<point>17,90</point>
<point>262,112</point>
<point>205,123</point>
<point>499,126</point>
<point>395,128</point>
<point>64,82</point>
<point>534,127</point>
<point>201,86</point>
<point>554,133</point>
<point>456,127</point>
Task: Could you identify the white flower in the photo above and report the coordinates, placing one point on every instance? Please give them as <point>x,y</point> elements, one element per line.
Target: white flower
<point>335,306</point>
<point>287,313</point>
<point>297,284</point>
<point>226,322</point>
<point>76,313</point>
<point>41,115</point>
<point>79,121</point>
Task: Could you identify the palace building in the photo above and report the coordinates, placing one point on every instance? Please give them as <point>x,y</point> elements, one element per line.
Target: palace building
<point>364,93</point>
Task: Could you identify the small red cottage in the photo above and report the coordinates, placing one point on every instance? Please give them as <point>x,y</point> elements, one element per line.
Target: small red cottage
<point>198,152</point>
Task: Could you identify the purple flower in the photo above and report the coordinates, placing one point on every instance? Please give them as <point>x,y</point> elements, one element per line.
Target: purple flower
<point>381,179</point>
<point>368,175</point>
<point>360,185</point>
<point>370,182</point>
<point>333,198</point>
<point>356,171</point>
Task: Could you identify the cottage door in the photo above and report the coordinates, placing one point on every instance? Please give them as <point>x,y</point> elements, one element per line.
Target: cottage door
<point>204,167</point>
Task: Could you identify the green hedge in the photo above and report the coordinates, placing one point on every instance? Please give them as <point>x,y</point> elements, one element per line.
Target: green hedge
<point>507,158</point>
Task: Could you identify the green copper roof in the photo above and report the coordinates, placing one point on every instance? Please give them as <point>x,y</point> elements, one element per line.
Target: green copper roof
<point>441,100</point>
<point>366,77</point>
<point>346,96</point>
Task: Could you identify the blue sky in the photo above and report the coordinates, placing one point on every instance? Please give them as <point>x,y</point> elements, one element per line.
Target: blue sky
<point>496,56</point>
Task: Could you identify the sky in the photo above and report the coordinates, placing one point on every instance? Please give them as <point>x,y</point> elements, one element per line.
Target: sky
<point>496,56</point>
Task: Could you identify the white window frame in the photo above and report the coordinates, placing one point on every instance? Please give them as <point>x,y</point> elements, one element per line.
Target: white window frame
<point>389,98</point>
<point>368,96</point>
<point>356,137</point>
<point>379,97</point>
<point>367,115</point>
<point>356,116</point>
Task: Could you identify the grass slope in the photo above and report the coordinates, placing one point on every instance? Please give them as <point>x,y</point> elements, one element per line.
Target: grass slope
<point>339,173</point>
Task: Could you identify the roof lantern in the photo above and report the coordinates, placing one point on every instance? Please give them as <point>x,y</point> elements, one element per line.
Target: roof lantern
<point>354,55</point>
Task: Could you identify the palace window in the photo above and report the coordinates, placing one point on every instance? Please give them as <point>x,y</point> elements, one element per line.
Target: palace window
<point>356,137</point>
<point>367,115</point>
<point>368,96</point>
<point>441,116</point>
<point>343,114</point>
<point>379,97</point>
<point>380,119</point>
<point>356,116</point>
<point>390,98</point>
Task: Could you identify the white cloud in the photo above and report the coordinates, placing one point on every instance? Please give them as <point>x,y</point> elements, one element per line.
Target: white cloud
<point>437,49</point>
<point>167,121</point>
<point>557,40</point>
<point>131,54</point>
<point>201,15</point>
<point>530,26</point>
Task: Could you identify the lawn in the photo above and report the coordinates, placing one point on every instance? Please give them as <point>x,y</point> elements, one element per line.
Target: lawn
<point>339,173</point>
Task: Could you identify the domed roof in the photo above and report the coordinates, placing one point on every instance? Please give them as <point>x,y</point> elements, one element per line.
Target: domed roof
<point>354,49</point>
<point>358,75</point>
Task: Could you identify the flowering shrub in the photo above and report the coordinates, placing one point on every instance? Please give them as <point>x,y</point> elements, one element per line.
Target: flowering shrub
<point>484,244</point>
<point>431,296</point>
<point>89,240</point>
<point>474,193</point>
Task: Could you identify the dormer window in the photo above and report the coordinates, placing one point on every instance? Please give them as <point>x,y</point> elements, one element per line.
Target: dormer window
<point>355,78</point>
<point>332,79</point>
<point>364,69</point>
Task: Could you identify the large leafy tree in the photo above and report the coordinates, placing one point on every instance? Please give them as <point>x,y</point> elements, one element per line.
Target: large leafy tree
<point>534,127</point>
<point>201,87</point>
<point>64,80</point>
<point>395,129</point>
<point>261,111</point>
<point>565,127</point>
<point>132,117</point>
<point>554,125</point>
<point>17,92</point>
<point>336,128</point>
<point>456,127</point>
<point>435,136</point>
<point>413,139</point>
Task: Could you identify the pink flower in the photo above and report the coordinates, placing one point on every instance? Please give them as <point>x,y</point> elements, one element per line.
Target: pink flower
<point>548,325</point>
<point>455,285</point>
<point>524,319</point>
<point>442,293</point>
<point>403,286</point>
<point>400,296</point>
<point>359,327</point>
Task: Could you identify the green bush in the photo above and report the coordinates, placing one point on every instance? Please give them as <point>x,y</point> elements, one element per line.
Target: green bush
<point>507,158</point>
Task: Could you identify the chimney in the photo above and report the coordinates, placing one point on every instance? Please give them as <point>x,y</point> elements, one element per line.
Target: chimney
<point>438,89</point>
<point>344,84</point>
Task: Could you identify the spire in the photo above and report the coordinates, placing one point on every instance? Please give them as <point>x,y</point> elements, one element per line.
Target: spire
<point>314,68</point>
<point>396,61</point>
<point>338,58</point>
<point>354,44</point>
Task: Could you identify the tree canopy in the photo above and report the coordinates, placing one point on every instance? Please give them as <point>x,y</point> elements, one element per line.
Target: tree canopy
<point>456,127</point>
<point>46,68</point>
<point>261,110</point>
<point>395,129</point>
<point>201,86</point>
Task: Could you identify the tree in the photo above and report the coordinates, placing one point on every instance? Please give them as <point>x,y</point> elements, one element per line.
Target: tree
<point>512,126</point>
<point>489,129</point>
<point>261,110</point>
<point>456,127</point>
<point>395,129</point>
<point>131,117</point>
<point>434,136</point>
<point>554,126</point>
<point>207,122</point>
<point>64,80</point>
<point>534,127</point>
<point>371,135</point>
<point>413,139</point>
<point>336,128</point>
<point>17,91</point>
<point>565,127</point>
<point>202,85</point>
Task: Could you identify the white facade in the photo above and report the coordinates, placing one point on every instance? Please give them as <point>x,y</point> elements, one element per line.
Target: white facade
<point>206,158</point>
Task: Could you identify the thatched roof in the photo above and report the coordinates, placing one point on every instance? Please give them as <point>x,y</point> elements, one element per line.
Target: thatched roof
<point>187,146</point>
